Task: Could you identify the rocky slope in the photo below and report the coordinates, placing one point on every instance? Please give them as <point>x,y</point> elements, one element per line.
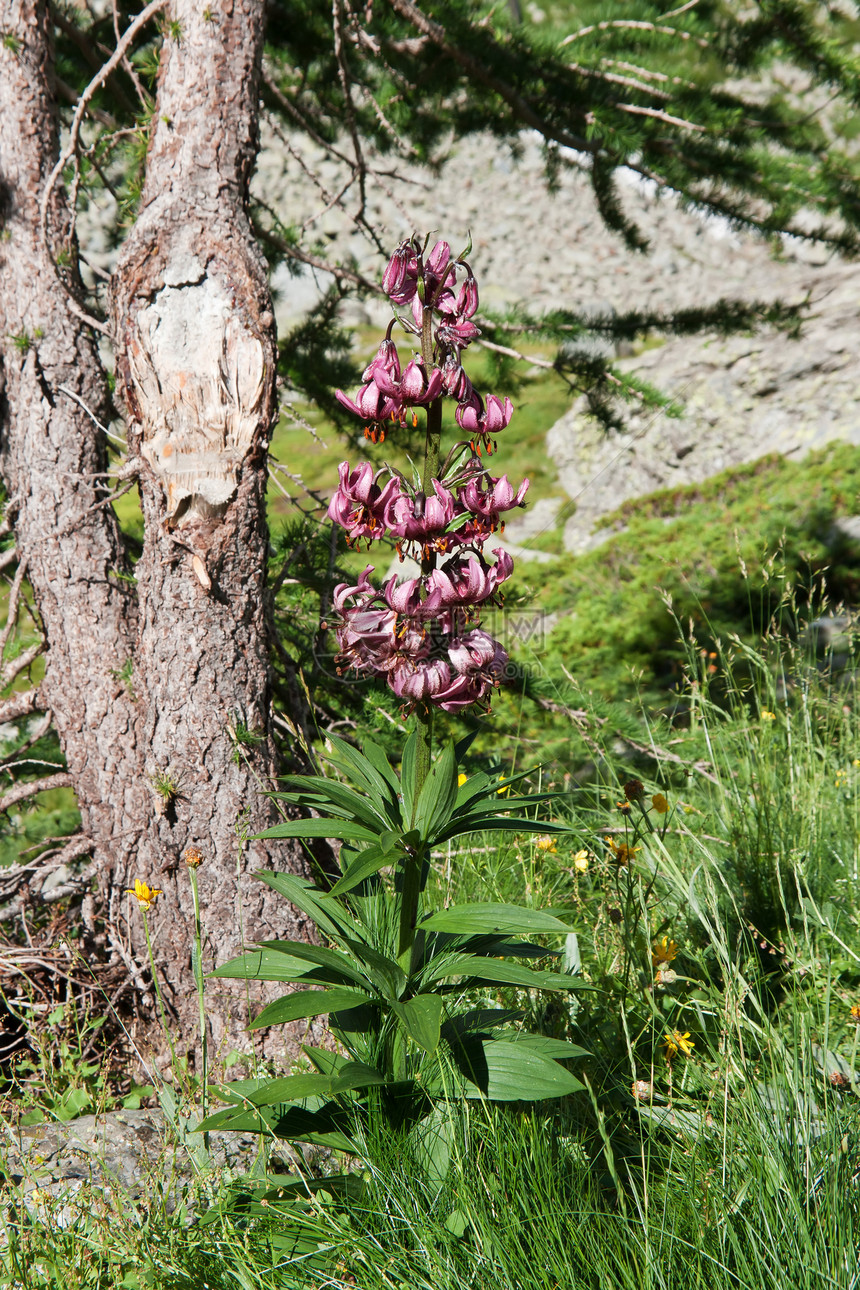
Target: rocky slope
<point>744,397</point>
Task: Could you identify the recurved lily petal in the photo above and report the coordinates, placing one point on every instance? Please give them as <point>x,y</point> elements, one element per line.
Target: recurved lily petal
<point>386,359</point>
<point>420,682</point>
<point>400,280</point>
<point>463,692</point>
<point>467,301</point>
<point>367,404</point>
<point>477,651</point>
<point>344,592</point>
<point>488,498</point>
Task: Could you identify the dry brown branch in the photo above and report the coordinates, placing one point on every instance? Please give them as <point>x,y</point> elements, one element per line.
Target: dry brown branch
<point>281,244</point>
<point>76,398</point>
<point>634,110</point>
<point>292,110</point>
<point>34,874</point>
<point>673,13</point>
<point>95,84</point>
<point>127,65</point>
<point>15,666</point>
<point>599,74</point>
<point>527,114</point>
<point>20,705</point>
<point>12,610</point>
<point>20,792</point>
<point>39,730</point>
<point>97,506</point>
<point>663,754</point>
<point>346,86</point>
<point>634,25</point>
<point>514,353</point>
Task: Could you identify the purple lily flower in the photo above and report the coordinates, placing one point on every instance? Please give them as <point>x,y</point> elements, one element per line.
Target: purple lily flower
<point>420,683</point>
<point>463,692</point>
<point>487,503</point>
<point>467,301</point>
<point>477,651</point>
<point>400,281</point>
<point>454,379</point>
<point>359,505</point>
<point>412,388</point>
<point>405,599</point>
<point>469,580</point>
<point>344,592</point>
<point>386,360</point>
<point>483,422</point>
<point>422,519</point>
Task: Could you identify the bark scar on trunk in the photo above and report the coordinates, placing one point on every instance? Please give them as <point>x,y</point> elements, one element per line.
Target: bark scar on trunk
<point>200,383</point>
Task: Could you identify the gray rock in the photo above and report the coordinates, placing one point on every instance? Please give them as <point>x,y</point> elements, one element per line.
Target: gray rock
<point>126,1154</point>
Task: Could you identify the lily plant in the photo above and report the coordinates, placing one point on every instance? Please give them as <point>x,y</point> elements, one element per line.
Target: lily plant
<point>409,990</point>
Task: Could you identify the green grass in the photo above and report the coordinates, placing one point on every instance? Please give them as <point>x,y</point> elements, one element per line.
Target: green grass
<point>740,1164</point>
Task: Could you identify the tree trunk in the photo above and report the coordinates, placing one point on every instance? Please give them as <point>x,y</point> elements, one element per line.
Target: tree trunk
<point>196,357</point>
<point>50,456</point>
<point>184,754</point>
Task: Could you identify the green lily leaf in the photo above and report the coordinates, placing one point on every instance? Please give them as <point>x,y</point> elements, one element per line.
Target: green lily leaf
<point>362,772</point>
<point>306,1003</point>
<point>272,965</point>
<point>355,1075</point>
<point>421,1018</point>
<point>466,919</point>
<point>289,1088</point>
<point>328,1125</point>
<point>461,824</point>
<point>484,971</point>
<point>380,763</point>
<point>339,795</point>
<point>366,864</point>
<point>339,965</point>
<point>385,973</point>
<point>438,794</point>
<point>345,830</point>
<point>510,1072</point>
<point>331,919</point>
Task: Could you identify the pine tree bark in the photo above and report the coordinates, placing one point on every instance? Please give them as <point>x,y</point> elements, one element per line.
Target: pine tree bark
<point>184,755</point>
<point>51,454</point>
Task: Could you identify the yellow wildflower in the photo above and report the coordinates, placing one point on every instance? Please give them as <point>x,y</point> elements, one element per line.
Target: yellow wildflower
<point>659,803</point>
<point>663,951</point>
<point>622,852</point>
<point>504,790</point>
<point>580,861</point>
<point>856,761</point>
<point>674,1043</point>
<point>546,843</point>
<point>855,1012</point>
<point>461,780</point>
<point>767,716</point>
<point>146,896</point>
